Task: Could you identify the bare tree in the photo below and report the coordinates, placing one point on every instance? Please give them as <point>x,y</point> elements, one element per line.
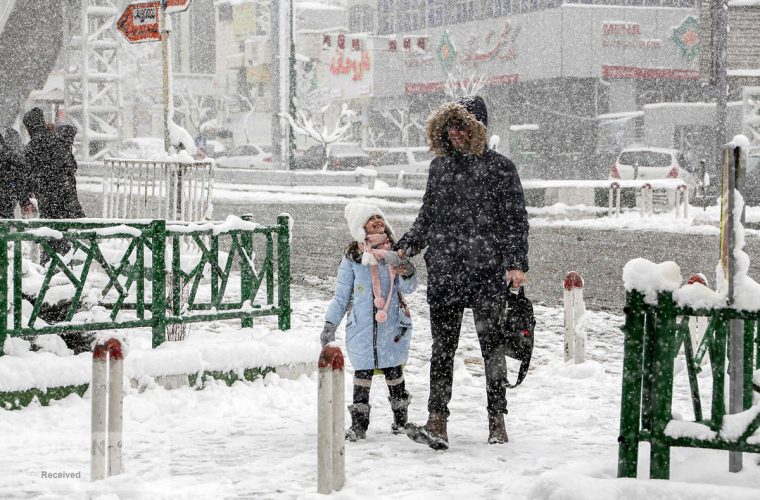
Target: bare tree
<point>196,107</point>
<point>463,82</point>
<point>404,120</point>
<point>316,127</point>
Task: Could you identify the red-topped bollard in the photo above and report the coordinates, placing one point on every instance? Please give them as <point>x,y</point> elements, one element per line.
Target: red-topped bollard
<point>575,334</point>
<point>331,447</point>
<point>647,200</point>
<point>107,409</point>
<point>698,324</point>
<point>614,199</point>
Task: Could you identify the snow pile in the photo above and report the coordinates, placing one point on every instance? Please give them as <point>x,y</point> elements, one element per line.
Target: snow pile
<point>735,425</point>
<point>649,278</point>
<point>568,486</point>
<point>698,296</point>
<point>219,347</point>
<point>181,137</point>
<point>685,429</point>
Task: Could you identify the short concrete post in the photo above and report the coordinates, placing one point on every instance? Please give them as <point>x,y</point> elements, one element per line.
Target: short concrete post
<point>682,201</point>
<point>614,204</point>
<point>698,324</point>
<point>647,200</point>
<point>331,449</point>
<point>107,409</point>
<point>575,334</point>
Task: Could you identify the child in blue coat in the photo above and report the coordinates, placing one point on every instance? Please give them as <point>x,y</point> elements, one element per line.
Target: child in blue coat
<point>370,284</point>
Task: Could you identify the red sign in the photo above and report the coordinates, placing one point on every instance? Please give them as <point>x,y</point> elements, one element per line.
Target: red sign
<point>176,5</point>
<point>139,22</point>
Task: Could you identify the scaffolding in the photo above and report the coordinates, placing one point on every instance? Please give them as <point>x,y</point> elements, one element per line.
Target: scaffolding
<point>92,90</point>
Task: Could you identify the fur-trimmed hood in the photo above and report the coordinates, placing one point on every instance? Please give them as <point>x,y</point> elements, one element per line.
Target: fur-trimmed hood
<point>468,111</point>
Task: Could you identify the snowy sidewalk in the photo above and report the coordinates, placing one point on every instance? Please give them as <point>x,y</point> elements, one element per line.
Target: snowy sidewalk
<point>258,440</point>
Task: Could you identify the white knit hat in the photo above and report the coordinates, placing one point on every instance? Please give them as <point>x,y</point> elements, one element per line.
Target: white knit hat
<point>357,214</point>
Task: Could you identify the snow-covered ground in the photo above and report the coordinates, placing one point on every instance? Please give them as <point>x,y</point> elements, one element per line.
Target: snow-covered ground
<point>258,440</point>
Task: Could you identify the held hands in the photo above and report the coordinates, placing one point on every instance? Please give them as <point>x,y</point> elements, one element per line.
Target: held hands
<point>517,278</point>
<point>401,262</point>
<point>328,333</point>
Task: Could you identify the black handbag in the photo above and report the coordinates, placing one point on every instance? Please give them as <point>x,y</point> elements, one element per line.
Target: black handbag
<point>518,326</point>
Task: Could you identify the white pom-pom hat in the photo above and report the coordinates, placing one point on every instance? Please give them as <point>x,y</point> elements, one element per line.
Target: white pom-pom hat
<point>357,214</point>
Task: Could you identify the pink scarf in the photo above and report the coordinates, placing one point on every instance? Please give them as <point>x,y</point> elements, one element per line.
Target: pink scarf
<point>376,246</point>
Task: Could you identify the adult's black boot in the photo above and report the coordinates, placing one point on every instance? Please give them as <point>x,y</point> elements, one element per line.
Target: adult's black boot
<point>433,433</point>
<point>400,409</point>
<point>497,430</point>
<point>359,421</point>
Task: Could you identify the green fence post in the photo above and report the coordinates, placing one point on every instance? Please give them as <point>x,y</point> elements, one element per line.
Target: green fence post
<point>630,401</point>
<point>283,271</point>
<point>176,277</point>
<point>749,334</point>
<point>158,302</point>
<point>662,389</point>
<point>246,273</point>
<point>647,382</point>
<point>3,283</point>
<point>17,277</point>
<point>718,364</point>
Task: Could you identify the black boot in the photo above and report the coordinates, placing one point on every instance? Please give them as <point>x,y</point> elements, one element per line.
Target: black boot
<point>433,433</point>
<point>359,421</point>
<point>400,409</point>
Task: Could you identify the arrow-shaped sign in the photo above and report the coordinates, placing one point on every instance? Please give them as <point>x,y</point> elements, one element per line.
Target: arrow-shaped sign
<point>139,22</point>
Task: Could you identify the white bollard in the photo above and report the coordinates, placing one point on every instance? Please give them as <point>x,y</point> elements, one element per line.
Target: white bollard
<point>331,449</point>
<point>575,334</point>
<point>614,200</point>
<point>107,409</point>
<point>698,324</point>
<point>647,200</point>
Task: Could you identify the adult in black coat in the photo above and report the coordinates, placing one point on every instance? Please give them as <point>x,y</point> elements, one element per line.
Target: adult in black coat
<point>474,225</point>
<point>12,174</point>
<point>52,170</point>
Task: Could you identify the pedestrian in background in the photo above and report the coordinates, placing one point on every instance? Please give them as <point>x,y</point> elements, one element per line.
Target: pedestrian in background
<point>371,281</point>
<point>474,225</point>
<point>52,173</point>
<point>13,189</point>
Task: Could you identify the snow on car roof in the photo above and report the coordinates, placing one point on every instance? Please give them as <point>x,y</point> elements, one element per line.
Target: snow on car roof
<point>650,149</point>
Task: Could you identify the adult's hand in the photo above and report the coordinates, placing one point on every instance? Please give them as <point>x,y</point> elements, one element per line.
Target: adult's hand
<point>517,277</point>
<point>401,253</point>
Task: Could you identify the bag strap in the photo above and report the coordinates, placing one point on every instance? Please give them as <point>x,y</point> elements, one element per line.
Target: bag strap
<point>524,364</point>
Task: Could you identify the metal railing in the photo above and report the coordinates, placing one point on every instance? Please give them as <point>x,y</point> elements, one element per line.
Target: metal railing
<point>146,270</point>
<point>654,335</point>
<point>145,189</point>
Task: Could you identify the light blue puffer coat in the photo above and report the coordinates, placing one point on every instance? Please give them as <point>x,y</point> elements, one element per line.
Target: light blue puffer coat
<point>371,344</point>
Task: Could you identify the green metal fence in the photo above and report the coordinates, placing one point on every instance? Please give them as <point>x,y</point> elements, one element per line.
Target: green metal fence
<point>654,335</point>
<point>141,277</point>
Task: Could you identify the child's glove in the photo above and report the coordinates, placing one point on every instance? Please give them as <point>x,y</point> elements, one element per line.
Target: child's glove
<point>328,334</point>
<point>406,269</point>
<point>392,259</point>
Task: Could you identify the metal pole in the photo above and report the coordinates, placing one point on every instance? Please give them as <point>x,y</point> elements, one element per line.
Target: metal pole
<point>274,13</point>
<point>721,63</point>
<point>292,76</point>
<point>165,67</point>
<point>736,326</point>
<point>84,35</point>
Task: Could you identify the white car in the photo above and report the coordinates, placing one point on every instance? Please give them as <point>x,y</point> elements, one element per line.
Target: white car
<point>246,156</point>
<point>409,160</point>
<point>652,163</point>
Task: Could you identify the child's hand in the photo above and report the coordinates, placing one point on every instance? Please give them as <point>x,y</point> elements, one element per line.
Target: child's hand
<point>406,268</point>
<point>328,334</point>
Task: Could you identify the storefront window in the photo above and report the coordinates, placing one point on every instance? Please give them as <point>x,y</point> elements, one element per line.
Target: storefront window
<point>435,13</point>
<point>386,16</point>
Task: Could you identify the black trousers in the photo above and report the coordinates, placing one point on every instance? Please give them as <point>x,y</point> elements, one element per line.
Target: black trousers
<point>445,326</point>
<point>394,377</point>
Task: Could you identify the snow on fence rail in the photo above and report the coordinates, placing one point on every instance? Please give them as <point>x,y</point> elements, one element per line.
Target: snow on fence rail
<point>173,190</point>
<point>144,271</point>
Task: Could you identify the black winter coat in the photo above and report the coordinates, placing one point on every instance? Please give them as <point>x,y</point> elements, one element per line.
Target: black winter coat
<point>52,169</point>
<point>473,223</point>
<point>12,180</point>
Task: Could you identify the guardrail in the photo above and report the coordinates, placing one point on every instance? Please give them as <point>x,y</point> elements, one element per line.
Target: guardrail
<point>173,190</point>
<point>653,337</point>
<point>146,271</point>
